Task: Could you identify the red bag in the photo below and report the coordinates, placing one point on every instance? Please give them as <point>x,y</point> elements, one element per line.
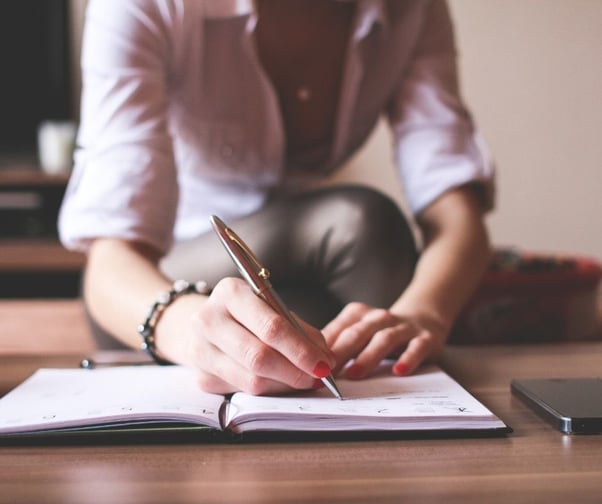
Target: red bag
<point>530,297</point>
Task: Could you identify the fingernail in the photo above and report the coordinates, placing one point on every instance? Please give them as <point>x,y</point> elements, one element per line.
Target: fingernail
<point>355,371</point>
<point>400,369</point>
<point>322,370</point>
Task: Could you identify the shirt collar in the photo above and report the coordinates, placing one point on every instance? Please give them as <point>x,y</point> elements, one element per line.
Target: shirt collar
<point>370,13</point>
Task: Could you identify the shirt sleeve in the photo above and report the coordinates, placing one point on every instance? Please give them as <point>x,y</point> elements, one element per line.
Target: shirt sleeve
<point>437,147</point>
<point>124,181</point>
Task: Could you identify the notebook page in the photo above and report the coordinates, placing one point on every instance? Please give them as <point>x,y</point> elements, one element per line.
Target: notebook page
<point>430,399</point>
<point>60,398</point>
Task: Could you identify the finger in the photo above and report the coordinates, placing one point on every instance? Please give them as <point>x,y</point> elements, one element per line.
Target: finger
<point>279,334</point>
<point>417,351</point>
<point>225,369</point>
<point>316,336</point>
<point>253,359</point>
<point>349,315</point>
<point>270,346</point>
<point>353,340</point>
<point>240,357</point>
<point>251,385</point>
<point>383,344</point>
<point>208,382</point>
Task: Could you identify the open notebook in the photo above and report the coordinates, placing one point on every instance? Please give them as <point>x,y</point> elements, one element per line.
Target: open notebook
<point>66,401</point>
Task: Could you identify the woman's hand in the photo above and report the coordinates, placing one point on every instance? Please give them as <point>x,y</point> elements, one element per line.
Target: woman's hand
<point>367,335</point>
<point>237,342</point>
<point>455,254</point>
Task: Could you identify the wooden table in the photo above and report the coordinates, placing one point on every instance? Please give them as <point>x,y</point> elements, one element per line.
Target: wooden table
<point>534,464</point>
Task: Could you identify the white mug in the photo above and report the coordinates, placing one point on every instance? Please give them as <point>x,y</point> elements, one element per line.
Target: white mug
<point>56,142</point>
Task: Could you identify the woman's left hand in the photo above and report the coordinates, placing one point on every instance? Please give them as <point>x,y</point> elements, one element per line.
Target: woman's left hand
<point>367,335</point>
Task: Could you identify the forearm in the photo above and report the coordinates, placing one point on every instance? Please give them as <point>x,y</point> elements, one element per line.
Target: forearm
<point>456,254</point>
<point>122,280</point>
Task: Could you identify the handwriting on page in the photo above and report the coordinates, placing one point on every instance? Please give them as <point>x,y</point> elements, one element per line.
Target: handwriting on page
<point>429,393</point>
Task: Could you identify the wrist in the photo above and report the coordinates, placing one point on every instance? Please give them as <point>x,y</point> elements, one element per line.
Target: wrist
<point>162,309</point>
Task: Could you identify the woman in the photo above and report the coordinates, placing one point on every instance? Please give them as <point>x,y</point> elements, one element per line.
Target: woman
<point>239,109</point>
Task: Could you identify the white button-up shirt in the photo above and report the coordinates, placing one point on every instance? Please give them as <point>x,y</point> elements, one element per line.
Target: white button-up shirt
<point>180,121</point>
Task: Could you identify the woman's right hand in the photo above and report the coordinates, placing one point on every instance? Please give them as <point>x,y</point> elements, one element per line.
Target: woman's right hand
<point>236,342</point>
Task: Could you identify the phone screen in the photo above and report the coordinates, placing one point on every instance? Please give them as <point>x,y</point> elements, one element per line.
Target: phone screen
<point>573,405</point>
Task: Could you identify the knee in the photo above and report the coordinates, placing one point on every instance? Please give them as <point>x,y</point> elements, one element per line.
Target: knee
<point>377,244</point>
<point>376,221</point>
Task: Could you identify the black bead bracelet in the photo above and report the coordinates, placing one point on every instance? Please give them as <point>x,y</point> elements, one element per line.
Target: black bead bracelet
<point>147,328</point>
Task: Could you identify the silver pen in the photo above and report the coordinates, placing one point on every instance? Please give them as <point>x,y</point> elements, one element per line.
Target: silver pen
<point>258,277</point>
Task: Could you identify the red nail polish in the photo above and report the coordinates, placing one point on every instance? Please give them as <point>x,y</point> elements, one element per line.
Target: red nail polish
<point>322,370</point>
<point>355,371</point>
<point>400,369</point>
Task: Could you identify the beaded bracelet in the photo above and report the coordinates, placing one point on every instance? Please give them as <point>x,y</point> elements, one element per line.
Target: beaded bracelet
<point>147,328</point>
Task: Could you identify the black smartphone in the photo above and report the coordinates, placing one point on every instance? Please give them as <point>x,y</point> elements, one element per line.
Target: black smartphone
<point>572,405</point>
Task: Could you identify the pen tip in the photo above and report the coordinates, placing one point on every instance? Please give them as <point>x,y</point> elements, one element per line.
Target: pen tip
<point>214,219</point>
<point>332,386</point>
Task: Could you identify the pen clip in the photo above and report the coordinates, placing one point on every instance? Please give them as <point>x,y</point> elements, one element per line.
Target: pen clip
<point>249,266</point>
